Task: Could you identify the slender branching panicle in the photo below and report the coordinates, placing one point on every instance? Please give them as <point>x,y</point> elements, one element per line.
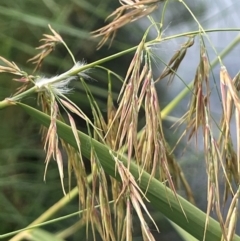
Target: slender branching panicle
<point>49,43</point>
<point>130,11</point>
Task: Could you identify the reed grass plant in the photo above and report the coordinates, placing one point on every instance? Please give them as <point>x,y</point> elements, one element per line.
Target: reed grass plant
<point>122,167</point>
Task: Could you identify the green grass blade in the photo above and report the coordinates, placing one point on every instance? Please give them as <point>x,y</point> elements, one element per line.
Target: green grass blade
<point>161,197</point>
<point>182,233</point>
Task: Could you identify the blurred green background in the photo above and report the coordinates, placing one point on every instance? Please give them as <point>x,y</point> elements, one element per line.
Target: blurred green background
<point>23,194</point>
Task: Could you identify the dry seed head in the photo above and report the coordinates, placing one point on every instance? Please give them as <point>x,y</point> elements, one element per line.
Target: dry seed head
<point>51,144</point>
<point>130,11</point>
<point>198,112</point>
<point>213,158</point>
<point>128,219</point>
<point>230,99</point>
<point>49,43</point>
<point>11,68</point>
<point>231,218</point>
<point>227,81</point>
<point>131,189</point>
<point>174,63</point>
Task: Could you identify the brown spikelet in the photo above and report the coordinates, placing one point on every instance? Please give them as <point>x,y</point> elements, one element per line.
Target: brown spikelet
<point>130,11</point>
<point>174,63</point>
<point>230,102</point>
<point>231,169</point>
<point>213,160</point>
<point>231,219</point>
<point>12,68</point>
<point>226,81</point>
<point>49,43</point>
<point>51,143</point>
<point>198,112</point>
<point>129,105</point>
<point>131,189</point>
